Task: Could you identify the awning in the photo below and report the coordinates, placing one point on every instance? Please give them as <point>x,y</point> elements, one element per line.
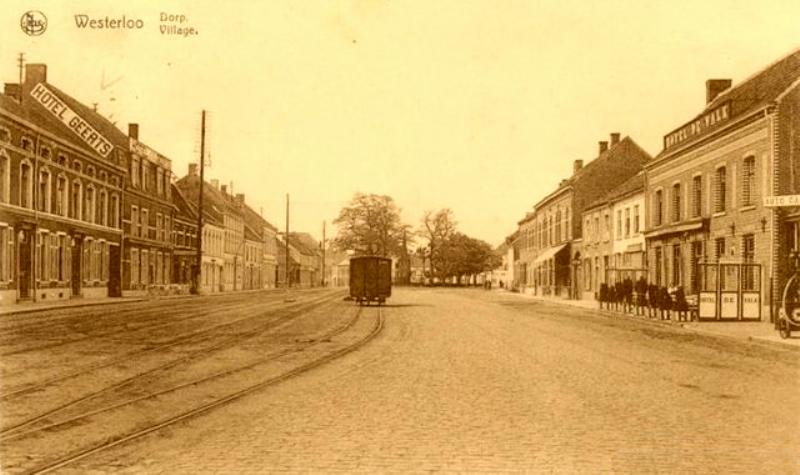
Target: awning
<point>548,254</point>
<point>696,226</point>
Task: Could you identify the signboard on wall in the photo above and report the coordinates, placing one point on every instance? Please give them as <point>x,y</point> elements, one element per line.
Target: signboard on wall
<point>781,200</point>
<point>707,305</point>
<point>728,305</point>
<point>751,305</point>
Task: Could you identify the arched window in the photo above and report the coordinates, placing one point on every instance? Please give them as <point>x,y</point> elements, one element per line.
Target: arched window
<point>5,177</point>
<point>75,200</point>
<point>62,160</point>
<point>25,185</point>
<point>676,202</point>
<point>62,195</point>
<point>45,153</point>
<point>27,144</point>
<point>90,171</point>
<point>89,204</point>
<point>113,208</point>
<point>101,208</point>
<point>43,191</point>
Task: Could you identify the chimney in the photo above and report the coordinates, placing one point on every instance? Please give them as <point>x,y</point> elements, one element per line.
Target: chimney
<point>714,87</point>
<point>193,169</point>
<point>35,73</point>
<point>133,131</point>
<point>240,198</point>
<point>576,165</point>
<point>614,138</point>
<point>603,146</point>
<point>215,183</point>
<point>224,189</point>
<point>12,90</point>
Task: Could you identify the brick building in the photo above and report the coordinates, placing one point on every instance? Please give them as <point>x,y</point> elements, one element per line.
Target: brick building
<point>184,240</point>
<point>147,216</point>
<point>613,245</point>
<point>61,175</point>
<point>552,238</point>
<point>705,192</point>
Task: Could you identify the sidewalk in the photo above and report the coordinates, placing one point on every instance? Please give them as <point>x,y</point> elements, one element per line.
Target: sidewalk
<point>754,331</point>
<point>29,307</point>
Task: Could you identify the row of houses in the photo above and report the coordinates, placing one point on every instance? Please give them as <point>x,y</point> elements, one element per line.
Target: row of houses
<point>716,212</point>
<point>87,211</point>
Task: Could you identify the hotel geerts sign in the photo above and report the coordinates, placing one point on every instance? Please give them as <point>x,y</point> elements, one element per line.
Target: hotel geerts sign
<point>72,120</point>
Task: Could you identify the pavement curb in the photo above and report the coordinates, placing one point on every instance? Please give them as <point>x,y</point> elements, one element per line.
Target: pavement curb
<point>759,340</point>
<point>45,308</point>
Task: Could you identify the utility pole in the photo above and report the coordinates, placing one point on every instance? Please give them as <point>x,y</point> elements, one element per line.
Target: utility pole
<point>286,256</point>
<point>21,65</point>
<point>199,263</point>
<point>323,253</point>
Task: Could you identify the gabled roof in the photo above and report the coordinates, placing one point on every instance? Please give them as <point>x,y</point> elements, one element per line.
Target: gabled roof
<point>214,203</point>
<point>628,187</point>
<point>186,210</point>
<point>626,147</point>
<point>304,243</point>
<point>254,220</point>
<point>757,91</point>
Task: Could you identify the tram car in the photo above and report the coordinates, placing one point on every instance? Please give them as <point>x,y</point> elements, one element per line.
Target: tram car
<point>370,279</point>
<point>789,313</point>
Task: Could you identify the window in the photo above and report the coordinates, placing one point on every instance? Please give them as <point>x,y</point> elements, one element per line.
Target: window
<point>75,200</point>
<point>657,264</point>
<point>636,218</point>
<point>748,181</point>
<point>6,253</point>
<point>134,266</point>
<point>61,195</point>
<point>43,193</point>
<point>101,208</point>
<point>26,144</point>
<point>144,276</point>
<point>145,224</point>
<point>558,226</point>
<point>135,172</point>
<point>696,257</point>
<point>25,185</point>
<point>89,204</point>
<point>159,182</point>
<point>136,226</point>
<point>619,223</point>
<point>159,225</point>
<point>5,136</point>
<point>627,222</point>
<point>113,206</point>
<point>45,153</point>
<point>676,264</point>
<point>587,228</point>
<point>697,196</point>
<point>567,226</point>
<point>719,190</point>
<point>146,176</point>
<point>5,177</point>
<point>676,202</point>
<point>719,248</point>
<point>597,228</point>
<point>607,227</point>
<point>658,208</point>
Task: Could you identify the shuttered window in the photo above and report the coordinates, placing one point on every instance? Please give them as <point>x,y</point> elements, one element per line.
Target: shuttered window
<point>748,181</point>
<point>720,189</point>
<point>697,196</point>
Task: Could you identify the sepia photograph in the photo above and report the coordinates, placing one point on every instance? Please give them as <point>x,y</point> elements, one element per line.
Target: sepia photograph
<point>399,236</point>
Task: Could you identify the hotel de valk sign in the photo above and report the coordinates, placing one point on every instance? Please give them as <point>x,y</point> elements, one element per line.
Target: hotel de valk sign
<point>781,200</point>
<point>73,121</point>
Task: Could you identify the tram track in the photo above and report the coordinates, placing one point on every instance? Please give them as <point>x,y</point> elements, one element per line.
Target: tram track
<point>324,338</point>
<point>188,338</point>
<point>123,328</point>
<point>187,413</point>
<point>119,319</point>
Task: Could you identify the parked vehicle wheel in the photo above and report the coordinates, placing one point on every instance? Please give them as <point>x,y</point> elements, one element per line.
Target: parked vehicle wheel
<point>784,329</point>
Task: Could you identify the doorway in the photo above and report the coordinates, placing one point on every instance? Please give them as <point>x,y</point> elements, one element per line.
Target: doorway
<point>77,262</point>
<point>25,263</point>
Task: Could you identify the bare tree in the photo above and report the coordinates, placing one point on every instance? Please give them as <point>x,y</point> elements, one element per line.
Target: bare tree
<point>370,225</point>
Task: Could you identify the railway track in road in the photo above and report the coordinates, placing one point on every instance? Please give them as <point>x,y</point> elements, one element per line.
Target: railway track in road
<point>230,340</point>
<point>119,320</point>
<point>214,397</point>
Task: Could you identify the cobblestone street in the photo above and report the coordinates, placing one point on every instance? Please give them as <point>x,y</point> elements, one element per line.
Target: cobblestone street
<point>468,380</point>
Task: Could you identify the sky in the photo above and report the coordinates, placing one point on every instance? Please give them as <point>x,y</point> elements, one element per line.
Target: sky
<point>477,106</point>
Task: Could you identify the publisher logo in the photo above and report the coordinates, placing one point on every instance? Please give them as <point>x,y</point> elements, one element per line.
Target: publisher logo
<point>33,23</point>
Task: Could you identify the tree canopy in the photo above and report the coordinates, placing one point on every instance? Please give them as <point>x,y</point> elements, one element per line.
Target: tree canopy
<point>370,225</point>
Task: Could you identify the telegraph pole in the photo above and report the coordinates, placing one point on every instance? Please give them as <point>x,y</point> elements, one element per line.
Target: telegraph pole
<point>199,263</point>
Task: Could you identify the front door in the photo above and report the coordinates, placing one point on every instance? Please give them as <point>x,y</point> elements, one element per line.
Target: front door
<point>114,272</point>
<point>77,261</point>
<point>25,263</point>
